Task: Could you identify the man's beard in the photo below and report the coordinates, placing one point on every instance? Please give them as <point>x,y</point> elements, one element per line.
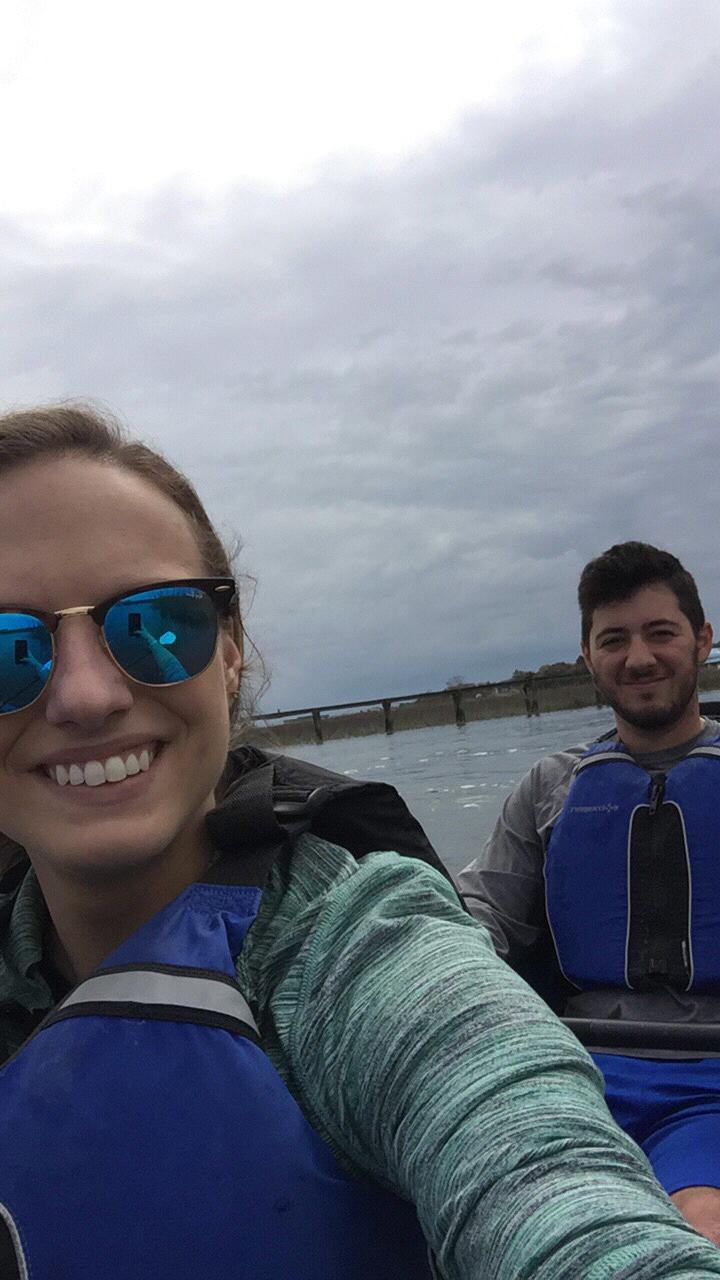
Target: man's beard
<point>655,717</point>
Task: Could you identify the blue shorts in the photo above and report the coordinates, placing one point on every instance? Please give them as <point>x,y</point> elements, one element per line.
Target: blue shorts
<point>672,1110</point>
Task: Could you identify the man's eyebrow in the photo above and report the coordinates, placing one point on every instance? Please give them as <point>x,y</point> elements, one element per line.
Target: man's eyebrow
<point>610,631</point>
<point>647,626</point>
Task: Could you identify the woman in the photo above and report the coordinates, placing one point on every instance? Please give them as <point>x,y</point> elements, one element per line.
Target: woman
<point>247,1065</point>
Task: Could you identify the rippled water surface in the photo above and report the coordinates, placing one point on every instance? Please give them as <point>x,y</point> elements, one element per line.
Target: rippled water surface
<point>455,780</point>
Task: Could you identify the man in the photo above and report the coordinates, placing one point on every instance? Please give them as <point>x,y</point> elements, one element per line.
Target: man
<point>607,858</point>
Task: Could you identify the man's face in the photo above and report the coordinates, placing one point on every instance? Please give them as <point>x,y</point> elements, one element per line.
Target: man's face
<point>643,656</point>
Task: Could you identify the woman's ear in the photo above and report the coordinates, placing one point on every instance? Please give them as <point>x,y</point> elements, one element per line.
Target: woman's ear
<point>233,664</point>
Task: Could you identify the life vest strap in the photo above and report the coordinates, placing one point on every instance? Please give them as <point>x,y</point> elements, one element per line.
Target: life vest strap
<point>176,995</point>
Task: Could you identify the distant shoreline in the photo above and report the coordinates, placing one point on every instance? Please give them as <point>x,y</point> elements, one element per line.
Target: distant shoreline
<point>507,698</point>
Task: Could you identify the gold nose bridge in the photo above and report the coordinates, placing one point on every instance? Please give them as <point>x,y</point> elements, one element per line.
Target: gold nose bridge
<point>78,608</point>
<point>80,611</point>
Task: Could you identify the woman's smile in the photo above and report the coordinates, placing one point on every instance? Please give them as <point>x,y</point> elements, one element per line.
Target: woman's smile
<point>137,763</point>
<point>115,779</point>
<point>93,766</point>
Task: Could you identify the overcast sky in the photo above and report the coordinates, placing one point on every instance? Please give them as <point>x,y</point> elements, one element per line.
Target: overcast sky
<point>424,298</point>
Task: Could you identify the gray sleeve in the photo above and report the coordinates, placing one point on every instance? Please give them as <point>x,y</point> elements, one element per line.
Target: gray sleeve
<point>504,888</point>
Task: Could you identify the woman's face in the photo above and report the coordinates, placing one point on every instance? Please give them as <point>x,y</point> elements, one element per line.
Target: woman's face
<point>74,531</point>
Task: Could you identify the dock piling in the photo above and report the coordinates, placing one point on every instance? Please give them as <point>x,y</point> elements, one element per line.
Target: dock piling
<point>456,695</point>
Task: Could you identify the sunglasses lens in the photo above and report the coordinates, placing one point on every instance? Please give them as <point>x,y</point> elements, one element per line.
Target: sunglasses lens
<point>26,658</point>
<point>162,636</point>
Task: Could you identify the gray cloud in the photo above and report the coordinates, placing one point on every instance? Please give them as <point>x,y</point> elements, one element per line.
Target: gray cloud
<point>425,395</point>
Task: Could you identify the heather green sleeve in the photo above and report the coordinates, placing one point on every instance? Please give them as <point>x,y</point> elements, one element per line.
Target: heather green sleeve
<point>427,1064</point>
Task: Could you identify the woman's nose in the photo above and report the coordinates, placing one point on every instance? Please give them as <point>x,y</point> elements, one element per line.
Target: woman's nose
<point>86,686</point>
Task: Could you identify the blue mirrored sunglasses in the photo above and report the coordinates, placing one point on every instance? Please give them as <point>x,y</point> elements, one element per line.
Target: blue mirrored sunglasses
<point>158,635</point>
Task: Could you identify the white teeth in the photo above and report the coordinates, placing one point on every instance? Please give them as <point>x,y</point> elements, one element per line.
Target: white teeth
<point>115,770</point>
<point>95,773</point>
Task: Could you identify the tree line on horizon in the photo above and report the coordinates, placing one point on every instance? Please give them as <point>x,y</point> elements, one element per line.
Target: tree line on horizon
<point>546,669</point>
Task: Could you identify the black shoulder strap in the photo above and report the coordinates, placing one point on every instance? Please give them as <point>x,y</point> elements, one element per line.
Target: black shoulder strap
<point>270,800</point>
<point>374,818</point>
<point>243,827</point>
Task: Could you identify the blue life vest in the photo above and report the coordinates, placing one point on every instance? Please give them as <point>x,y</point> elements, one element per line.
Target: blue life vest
<point>144,1134</point>
<point>633,873</point>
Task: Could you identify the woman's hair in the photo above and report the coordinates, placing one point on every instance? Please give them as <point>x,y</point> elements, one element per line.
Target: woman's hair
<point>62,430</point>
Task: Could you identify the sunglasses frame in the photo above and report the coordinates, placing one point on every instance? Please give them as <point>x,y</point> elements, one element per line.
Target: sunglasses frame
<point>221,591</point>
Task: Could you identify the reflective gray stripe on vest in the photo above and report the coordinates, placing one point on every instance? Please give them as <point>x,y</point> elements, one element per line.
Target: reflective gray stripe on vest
<point>12,1256</point>
<point>180,991</point>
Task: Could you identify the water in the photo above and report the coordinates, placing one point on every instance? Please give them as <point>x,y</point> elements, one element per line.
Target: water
<point>455,780</point>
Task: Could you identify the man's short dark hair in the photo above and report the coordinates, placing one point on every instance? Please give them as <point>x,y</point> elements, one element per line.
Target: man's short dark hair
<point>622,570</point>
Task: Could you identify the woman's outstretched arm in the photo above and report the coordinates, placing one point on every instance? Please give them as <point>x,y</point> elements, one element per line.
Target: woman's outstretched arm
<point>427,1064</point>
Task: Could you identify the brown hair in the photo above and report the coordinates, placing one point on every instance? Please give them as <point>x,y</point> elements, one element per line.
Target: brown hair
<point>57,430</point>
<point>622,570</point>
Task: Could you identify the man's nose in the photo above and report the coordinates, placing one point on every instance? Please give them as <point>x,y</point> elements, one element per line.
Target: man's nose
<point>639,653</point>
<point>86,686</point>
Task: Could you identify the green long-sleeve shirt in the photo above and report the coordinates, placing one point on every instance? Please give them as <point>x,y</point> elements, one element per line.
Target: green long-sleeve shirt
<point>429,1066</point>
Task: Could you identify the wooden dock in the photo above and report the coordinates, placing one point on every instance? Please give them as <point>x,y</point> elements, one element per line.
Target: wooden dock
<point>531,688</point>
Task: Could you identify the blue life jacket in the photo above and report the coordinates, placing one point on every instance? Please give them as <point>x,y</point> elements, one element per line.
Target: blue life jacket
<point>632,873</point>
<point>144,1134</point>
